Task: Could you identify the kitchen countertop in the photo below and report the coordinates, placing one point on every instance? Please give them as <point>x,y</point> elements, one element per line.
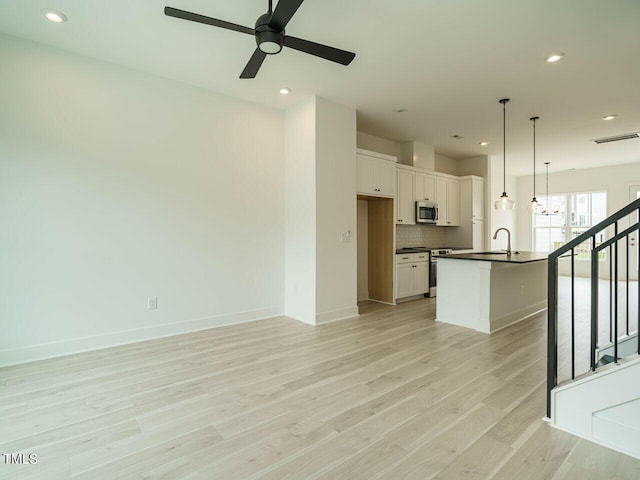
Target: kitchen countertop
<point>515,257</point>
<point>400,251</point>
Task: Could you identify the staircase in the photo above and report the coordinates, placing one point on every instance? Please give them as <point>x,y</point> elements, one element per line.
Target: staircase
<point>593,369</point>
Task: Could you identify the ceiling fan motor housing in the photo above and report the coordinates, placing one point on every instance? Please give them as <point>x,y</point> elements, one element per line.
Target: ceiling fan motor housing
<point>270,41</point>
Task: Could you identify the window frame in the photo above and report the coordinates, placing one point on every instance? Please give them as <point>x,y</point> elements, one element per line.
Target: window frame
<point>568,227</point>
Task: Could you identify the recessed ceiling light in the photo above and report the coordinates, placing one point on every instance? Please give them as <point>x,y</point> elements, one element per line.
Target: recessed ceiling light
<point>54,16</point>
<point>285,91</point>
<point>608,117</point>
<point>484,144</point>
<point>556,57</point>
<point>399,110</point>
<point>457,137</point>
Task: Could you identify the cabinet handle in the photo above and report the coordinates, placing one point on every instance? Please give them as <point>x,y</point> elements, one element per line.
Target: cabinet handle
<point>426,198</point>
<point>400,220</point>
<point>405,258</point>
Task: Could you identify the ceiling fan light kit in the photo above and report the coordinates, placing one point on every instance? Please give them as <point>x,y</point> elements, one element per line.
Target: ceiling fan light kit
<point>270,35</point>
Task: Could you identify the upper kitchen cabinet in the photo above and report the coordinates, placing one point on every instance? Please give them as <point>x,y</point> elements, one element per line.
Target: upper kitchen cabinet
<point>448,199</point>
<point>405,202</point>
<point>425,188</point>
<point>477,198</point>
<point>471,232</point>
<point>376,174</point>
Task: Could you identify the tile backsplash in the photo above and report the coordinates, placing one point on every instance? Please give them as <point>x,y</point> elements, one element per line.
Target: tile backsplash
<point>420,236</point>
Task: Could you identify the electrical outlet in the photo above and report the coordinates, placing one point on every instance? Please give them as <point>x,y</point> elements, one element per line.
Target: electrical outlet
<point>152,303</point>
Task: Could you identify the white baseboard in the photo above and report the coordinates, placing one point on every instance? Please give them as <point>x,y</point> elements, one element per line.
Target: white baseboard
<point>86,344</point>
<point>520,315</point>
<point>335,315</point>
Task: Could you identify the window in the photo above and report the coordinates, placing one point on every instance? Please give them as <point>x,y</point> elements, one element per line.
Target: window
<point>569,215</point>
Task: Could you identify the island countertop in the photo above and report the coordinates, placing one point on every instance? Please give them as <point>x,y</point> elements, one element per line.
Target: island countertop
<point>515,257</point>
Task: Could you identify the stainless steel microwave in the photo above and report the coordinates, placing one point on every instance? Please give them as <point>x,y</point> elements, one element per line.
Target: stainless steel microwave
<point>426,212</point>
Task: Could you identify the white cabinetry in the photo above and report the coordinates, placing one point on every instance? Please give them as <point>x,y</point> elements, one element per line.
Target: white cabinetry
<point>448,198</point>
<point>471,232</point>
<point>376,174</point>
<point>412,274</point>
<point>425,187</point>
<point>405,203</point>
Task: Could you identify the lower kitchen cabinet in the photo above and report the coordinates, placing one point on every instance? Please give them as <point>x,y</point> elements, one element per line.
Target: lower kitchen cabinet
<point>412,274</point>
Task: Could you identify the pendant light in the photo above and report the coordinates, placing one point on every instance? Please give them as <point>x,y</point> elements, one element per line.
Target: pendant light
<point>504,202</point>
<point>534,205</point>
<point>546,212</point>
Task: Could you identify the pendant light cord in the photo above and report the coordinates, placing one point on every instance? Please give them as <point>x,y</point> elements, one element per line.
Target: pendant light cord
<point>548,210</point>
<point>533,119</point>
<point>534,158</point>
<point>270,5</point>
<point>504,146</point>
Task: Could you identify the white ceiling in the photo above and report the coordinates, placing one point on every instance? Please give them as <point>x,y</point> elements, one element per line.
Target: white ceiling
<point>447,62</point>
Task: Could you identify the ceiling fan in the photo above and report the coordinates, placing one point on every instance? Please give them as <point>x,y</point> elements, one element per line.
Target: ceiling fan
<point>270,36</point>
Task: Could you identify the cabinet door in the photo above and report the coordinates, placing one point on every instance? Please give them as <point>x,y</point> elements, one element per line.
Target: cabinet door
<point>477,235</point>
<point>441,199</point>
<point>425,187</point>
<point>385,178</point>
<point>420,278</point>
<point>404,280</point>
<point>477,199</point>
<point>405,213</point>
<point>453,203</point>
<point>419,187</point>
<point>365,174</point>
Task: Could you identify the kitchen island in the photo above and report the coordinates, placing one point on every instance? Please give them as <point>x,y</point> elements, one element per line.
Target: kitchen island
<point>488,291</point>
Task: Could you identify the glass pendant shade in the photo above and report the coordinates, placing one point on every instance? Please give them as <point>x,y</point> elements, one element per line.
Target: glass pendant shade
<point>534,205</point>
<point>504,202</point>
<point>542,210</point>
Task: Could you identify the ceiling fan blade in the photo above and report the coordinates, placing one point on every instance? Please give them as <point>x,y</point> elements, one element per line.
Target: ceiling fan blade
<point>254,64</point>
<point>194,17</point>
<point>319,50</point>
<point>283,13</point>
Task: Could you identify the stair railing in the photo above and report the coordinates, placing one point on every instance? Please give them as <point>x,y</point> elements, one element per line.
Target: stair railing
<point>569,249</point>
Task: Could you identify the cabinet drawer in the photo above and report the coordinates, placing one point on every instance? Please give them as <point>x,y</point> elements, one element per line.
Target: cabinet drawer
<point>412,257</point>
<point>406,257</point>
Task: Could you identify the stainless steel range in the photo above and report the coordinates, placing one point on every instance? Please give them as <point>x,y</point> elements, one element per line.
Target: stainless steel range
<point>433,272</point>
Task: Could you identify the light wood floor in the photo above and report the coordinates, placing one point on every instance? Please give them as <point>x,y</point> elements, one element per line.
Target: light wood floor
<point>389,395</point>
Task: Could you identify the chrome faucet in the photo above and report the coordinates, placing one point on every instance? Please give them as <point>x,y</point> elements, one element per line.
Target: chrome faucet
<point>495,235</point>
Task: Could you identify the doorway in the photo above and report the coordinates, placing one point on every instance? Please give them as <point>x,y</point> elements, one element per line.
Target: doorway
<point>375,248</point>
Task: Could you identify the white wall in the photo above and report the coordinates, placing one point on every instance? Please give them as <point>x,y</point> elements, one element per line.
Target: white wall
<point>445,164</point>
<point>320,159</point>
<point>116,186</point>
<point>379,144</point>
<point>300,208</point>
<point>478,166</point>
<point>336,259</point>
